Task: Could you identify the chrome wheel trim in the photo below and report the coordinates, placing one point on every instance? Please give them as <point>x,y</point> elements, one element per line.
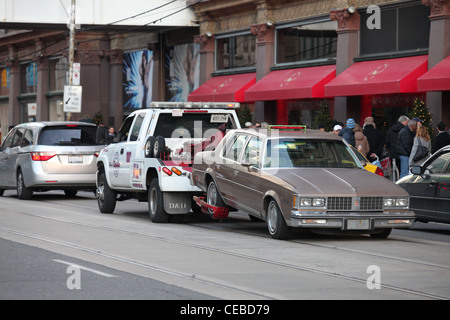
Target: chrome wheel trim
<point>272,217</point>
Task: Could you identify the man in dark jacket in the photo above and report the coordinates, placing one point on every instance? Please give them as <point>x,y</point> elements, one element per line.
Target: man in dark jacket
<point>347,133</point>
<point>405,141</point>
<point>442,138</point>
<point>391,140</point>
<point>375,138</point>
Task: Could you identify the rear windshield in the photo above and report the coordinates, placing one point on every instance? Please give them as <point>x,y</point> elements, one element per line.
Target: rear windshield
<point>68,135</point>
<point>192,125</point>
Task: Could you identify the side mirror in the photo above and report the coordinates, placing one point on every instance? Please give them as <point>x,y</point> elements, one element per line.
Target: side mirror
<point>417,170</point>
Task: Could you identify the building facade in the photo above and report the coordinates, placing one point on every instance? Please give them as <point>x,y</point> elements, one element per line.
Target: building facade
<point>361,58</point>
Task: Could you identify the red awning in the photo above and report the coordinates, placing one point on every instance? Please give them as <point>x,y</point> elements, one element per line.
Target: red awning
<point>437,78</point>
<point>288,84</point>
<point>379,77</point>
<point>224,88</point>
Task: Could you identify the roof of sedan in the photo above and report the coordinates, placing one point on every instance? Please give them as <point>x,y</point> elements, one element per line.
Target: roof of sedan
<point>291,132</point>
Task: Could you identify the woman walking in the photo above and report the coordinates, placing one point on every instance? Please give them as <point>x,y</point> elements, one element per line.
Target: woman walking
<point>422,139</point>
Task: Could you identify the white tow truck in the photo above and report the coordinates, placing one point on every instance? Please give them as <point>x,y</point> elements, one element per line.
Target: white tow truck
<point>151,157</point>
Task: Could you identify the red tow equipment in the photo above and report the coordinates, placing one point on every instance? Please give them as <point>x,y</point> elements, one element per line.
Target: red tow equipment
<point>217,212</point>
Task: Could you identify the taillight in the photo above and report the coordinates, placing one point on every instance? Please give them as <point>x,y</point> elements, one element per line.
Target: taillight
<point>167,171</point>
<point>97,153</point>
<point>379,172</point>
<point>42,156</point>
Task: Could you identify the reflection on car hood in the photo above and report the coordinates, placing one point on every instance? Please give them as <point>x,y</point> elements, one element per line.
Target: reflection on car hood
<point>337,182</point>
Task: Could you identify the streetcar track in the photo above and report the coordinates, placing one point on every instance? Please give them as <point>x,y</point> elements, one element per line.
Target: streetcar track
<point>222,251</point>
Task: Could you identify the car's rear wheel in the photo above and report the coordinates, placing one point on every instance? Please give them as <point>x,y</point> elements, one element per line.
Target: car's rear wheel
<point>106,198</point>
<point>275,222</point>
<point>213,197</point>
<point>70,192</point>
<point>23,192</point>
<point>156,203</point>
<point>381,235</point>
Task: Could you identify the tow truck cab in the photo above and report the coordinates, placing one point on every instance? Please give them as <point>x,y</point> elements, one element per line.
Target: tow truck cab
<point>155,148</point>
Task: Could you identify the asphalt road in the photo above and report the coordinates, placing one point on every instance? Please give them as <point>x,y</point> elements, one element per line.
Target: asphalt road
<point>54,247</point>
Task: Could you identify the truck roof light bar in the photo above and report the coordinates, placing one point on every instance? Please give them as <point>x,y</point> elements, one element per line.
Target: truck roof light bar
<point>195,105</point>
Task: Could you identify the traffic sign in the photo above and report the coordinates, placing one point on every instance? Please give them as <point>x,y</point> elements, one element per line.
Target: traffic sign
<point>76,74</point>
<point>72,99</point>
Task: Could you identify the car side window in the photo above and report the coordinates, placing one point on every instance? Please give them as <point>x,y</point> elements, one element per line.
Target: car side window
<point>252,152</point>
<point>235,148</point>
<point>125,129</point>
<point>137,127</point>
<point>438,164</point>
<point>7,143</point>
<point>17,140</point>
<point>27,139</point>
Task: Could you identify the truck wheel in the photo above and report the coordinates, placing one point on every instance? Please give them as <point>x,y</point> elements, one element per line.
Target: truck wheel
<point>23,193</point>
<point>159,146</point>
<point>275,222</point>
<point>156,203</point>
<point>148,148</point>
<point>213,197</point>
<point>106,198</point>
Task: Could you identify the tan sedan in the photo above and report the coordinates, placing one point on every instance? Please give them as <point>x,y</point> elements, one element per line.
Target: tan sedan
<point>297,178</point>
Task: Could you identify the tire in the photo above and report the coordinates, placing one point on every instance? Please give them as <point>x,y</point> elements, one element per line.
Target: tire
<point>381,235</point>
<point>156,203</point>
<point>71,193</point>
<point>148,148</point>
<point>23,193</point>
<point>106,198</point>
<point>275,222</point>
<point>159,147</point>
<point>213,197</point>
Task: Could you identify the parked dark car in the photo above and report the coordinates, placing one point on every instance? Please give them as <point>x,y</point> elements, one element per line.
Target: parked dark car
<point>41,156</point>
<point>429,188</point>
<point>300,179</point>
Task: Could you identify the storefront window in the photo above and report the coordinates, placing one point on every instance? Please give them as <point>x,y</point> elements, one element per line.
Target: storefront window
<point>4,81</point>
<point>28,73</point>
<point>235,52</point>
<point>56,110</point>
<point>57,76</point>
<point>306,42</point>
<point>403,28</point>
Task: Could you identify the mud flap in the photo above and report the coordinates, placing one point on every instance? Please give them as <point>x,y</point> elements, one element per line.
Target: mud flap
<point>177,202</point>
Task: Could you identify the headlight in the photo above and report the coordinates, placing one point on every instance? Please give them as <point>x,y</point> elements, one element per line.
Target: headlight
<point>396,202</point>
<point>312,202</point>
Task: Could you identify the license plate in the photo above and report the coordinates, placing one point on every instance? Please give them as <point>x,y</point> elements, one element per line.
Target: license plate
<point>219,118</point>
<point>75,159</point>
<point>358,224</point>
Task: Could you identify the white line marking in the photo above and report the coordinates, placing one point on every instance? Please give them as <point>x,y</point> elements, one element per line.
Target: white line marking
<point>87,269</point>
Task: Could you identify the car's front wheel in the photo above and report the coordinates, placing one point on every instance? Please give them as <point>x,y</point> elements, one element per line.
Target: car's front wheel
<point>106,198</point>
<point>23,192</point>
<point>275,222</point>
<point>382,235</point>
<point>156,203</point>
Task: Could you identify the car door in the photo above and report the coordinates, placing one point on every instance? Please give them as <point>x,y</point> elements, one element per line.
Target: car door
<point>247,177</point>
<point>422,188</point>
<point>225,171</point>
<point>442,198</point>
<point>4,157</point>
<point>14,151</point>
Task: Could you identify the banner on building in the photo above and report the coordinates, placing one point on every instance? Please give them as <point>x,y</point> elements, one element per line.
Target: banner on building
<point>137,79</point>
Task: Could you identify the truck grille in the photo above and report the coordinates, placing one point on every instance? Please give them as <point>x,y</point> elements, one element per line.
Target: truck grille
<point>355,203</point>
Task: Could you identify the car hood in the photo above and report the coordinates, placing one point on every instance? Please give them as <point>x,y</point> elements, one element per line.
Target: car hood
<point>336,182</point>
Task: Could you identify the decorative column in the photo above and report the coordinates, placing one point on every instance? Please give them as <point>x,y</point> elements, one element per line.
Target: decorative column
<point>12,62</point>
<point>115,88</point>
<point>42,110</point>
<point>439,48</point>
<point>347,50</point>
<point>207,48</point>
<point>265,32</point>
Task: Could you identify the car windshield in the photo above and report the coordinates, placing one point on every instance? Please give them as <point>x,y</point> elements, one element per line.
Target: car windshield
<point>305,153</point>
<point>68,135</point>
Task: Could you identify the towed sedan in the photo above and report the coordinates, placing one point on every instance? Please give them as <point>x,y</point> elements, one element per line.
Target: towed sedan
<point>41,156</point>
<point>291,177</point>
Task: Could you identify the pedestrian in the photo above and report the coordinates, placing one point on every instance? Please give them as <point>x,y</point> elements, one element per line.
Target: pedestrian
<point>361,142</point>
<point>375,138</point>
<point>336,129</point>
<point>391,140</point>
<point>347,133</point>
<point>422,139</point>
<point>442,139</point>
<point>111,135</point>
<point>405,141</point>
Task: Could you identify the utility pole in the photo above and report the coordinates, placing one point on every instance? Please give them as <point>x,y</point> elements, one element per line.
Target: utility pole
<point>71,47</point>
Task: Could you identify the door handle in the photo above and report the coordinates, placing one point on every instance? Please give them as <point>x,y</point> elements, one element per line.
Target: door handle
<point>121,151</point>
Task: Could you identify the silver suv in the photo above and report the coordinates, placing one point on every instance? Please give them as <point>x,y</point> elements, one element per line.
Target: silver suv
<point>41,156</point>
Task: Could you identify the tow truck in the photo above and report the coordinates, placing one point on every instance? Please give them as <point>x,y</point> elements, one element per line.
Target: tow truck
<point>151,157</point>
